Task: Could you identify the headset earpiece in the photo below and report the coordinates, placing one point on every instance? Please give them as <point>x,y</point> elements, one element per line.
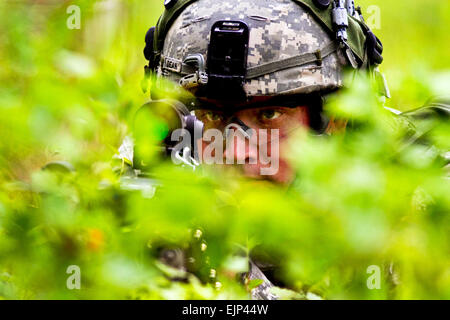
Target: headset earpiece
<point>374,48</point>
<point>148,50</point>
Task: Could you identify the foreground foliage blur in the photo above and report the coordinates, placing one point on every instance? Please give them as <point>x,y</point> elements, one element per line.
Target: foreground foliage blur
<point>363,198</point>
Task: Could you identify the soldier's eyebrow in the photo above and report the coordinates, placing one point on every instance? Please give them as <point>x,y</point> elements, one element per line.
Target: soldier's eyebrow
<point>230,107</point>
<point>272,104</point>
<point>229,110</point>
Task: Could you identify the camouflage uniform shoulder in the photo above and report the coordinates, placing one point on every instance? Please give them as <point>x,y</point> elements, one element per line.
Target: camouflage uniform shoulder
<point>435,110</point>
<point>429,117</point>
<point>424,121</point>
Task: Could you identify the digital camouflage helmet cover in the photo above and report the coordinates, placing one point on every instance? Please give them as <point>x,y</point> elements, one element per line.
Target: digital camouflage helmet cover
<point>294,47</point>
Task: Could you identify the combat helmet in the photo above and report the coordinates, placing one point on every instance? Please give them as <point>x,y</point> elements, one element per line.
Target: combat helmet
<point>294,46</point>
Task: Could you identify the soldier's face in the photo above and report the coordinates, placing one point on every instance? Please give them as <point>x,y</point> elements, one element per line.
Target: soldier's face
<point>264,154</point>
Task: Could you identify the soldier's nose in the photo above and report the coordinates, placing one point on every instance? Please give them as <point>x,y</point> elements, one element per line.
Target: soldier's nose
<point>239,149</point>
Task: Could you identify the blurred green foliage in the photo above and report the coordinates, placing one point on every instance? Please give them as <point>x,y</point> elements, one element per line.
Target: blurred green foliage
<point>362,198</point>
<point>416,54</point>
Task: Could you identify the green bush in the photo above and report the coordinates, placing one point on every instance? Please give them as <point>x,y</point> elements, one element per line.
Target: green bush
<point>366,197</point>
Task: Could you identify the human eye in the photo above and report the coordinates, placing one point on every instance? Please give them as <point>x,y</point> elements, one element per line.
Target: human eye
<point>270,114</point>
<point>213,116</point>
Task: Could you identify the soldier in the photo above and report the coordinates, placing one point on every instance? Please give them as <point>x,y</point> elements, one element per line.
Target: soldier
<point>260,65</point>
<point>256,65</point>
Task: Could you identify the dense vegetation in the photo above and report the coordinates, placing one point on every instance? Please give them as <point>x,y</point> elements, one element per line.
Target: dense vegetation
<point>364,197</point>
